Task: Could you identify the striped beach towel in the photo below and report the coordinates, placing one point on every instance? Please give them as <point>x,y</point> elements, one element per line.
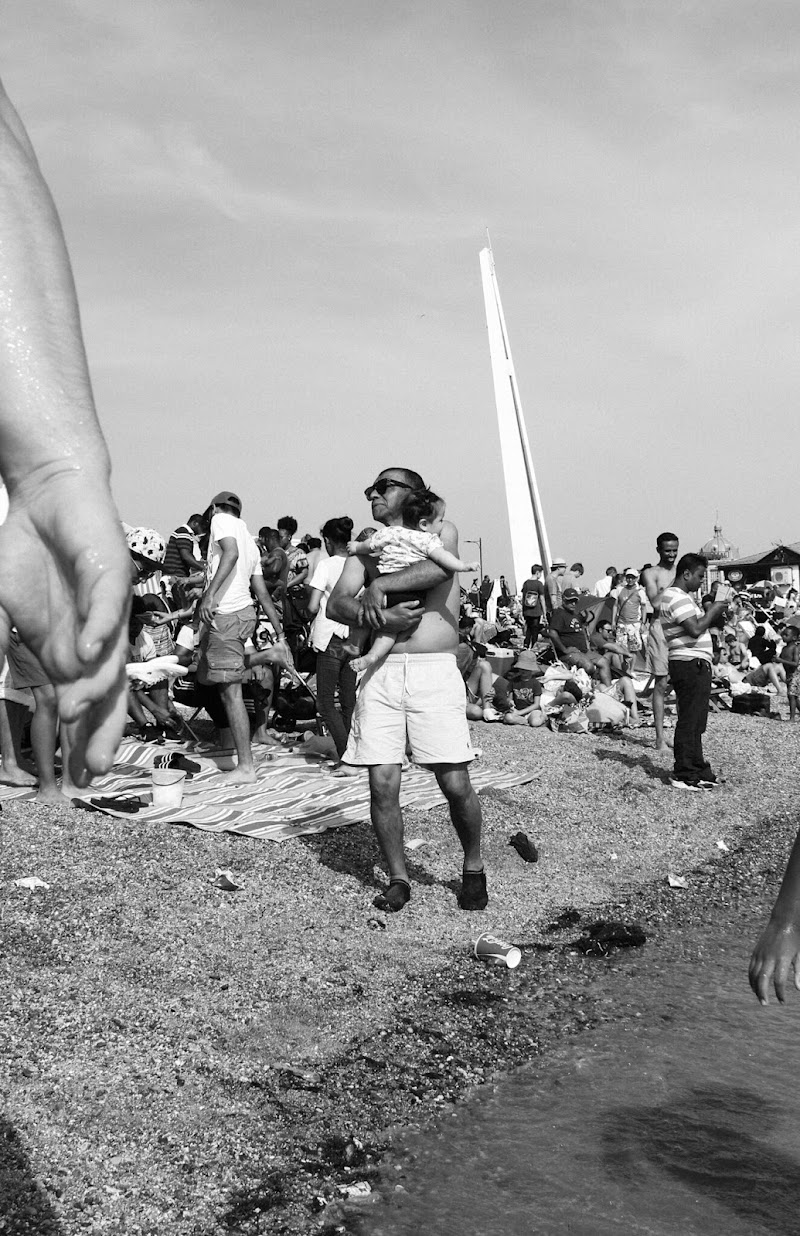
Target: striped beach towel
<point>294,795</point>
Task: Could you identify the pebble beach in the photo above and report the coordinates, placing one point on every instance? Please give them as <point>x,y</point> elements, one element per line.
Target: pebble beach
<point>183,1059</point>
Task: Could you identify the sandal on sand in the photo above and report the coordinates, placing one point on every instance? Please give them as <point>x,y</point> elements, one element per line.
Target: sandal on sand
<point>473,894</point>
<point>394,897</point>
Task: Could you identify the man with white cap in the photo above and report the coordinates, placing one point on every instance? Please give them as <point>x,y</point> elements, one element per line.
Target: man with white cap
<point>629,616</point>
<point>554,582</point>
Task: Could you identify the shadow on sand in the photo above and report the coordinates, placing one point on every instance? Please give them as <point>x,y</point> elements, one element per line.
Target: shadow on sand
<point>24,1206</point>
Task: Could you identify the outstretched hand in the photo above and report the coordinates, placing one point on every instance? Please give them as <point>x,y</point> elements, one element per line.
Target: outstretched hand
<point>65,584</point>
<point>774,956</point>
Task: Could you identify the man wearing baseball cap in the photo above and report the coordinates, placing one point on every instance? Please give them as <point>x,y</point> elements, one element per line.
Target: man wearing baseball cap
<point>570,638</point>
<point>228,618</point>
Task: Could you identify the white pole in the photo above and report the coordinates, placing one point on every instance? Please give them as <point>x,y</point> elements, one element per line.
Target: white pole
<point>529,541</point>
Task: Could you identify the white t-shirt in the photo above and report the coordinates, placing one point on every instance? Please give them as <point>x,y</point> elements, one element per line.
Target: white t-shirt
<point>325,578</point>
<point>235,593</point>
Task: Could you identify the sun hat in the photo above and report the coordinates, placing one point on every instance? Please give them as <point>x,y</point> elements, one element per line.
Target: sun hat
<point>630,571</point>
<point>525,661</point>
<point>559,562</point>
<point>146,543</point>
<point>226,498</point>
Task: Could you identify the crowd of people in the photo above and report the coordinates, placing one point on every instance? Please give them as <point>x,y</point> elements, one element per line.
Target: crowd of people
<point>66,577</point>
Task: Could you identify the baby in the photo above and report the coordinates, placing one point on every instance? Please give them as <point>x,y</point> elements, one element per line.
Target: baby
<point>401,546</point>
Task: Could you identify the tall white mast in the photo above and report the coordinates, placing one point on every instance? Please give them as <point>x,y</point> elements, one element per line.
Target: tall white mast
<point>529,541</point>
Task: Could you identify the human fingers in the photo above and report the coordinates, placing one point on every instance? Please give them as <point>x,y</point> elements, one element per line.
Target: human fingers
<point>109,599</point>
<point>779,977</point>
<point>95,735</point>
<point>80,694</point>
<point>760,975</point>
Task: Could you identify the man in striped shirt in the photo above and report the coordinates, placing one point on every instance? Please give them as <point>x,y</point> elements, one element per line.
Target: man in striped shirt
<point>686,629</point>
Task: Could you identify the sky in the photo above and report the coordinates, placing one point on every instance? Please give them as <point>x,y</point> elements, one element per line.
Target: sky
<point>274,212</point>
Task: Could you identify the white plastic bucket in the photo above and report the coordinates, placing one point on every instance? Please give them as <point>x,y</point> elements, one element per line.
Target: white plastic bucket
<point>168,787</point>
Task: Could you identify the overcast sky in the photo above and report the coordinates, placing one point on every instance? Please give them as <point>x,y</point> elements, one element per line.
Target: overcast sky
<point>274,211</point>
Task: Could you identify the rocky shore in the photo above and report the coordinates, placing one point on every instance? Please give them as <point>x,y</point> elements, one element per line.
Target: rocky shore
<point>185,1060</point>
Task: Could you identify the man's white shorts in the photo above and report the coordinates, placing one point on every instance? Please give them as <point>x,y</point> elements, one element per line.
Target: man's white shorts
<point>421,695</point>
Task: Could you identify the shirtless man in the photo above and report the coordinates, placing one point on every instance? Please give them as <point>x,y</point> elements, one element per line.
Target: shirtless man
<point>656,580</point>
<point>417,692</point>
<point>64,565</point>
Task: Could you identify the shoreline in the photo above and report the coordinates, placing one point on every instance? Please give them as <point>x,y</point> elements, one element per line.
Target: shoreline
<point>226,1060</point>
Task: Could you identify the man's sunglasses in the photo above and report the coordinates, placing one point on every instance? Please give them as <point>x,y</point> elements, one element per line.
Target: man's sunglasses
<point>379,487</point>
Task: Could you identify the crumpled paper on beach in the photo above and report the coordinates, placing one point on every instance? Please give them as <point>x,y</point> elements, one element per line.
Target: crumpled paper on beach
<point>677,881</point>
<point>225,881</point>
<point>31,882</point>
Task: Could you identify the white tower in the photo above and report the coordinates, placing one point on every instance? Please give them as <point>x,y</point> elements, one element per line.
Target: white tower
<point>529,541</point>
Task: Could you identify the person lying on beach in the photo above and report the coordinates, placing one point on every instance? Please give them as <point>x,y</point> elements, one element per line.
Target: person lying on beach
<point>402,545</point>
<point>64,569</point>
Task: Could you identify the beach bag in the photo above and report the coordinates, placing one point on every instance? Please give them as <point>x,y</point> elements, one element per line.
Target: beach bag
<point>606,710</point>
<point>753,705</point>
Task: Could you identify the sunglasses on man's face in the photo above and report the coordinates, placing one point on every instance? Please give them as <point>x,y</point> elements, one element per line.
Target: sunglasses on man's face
<point>379,487</point>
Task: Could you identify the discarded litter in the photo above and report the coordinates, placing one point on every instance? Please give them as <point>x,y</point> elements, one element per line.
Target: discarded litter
<point>360,1189</point>
<point>677,881</point>
<point>31,882</point>
<point>490,948</point>
<point>726,849</point>
<point>415,843</point>
<point>225,881</point>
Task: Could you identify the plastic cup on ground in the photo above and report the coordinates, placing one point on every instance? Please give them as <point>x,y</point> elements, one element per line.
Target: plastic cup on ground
<point>168,787</point>
<point>499,952</point>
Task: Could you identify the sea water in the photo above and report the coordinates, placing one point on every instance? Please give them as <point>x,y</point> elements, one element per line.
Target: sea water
<point>679,1115</point>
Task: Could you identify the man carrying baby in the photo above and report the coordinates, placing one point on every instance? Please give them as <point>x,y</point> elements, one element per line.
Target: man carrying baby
<point>415,694</point>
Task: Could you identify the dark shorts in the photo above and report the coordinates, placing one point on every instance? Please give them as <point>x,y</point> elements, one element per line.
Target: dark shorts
<point>222,647</point>
<point>25,669</point>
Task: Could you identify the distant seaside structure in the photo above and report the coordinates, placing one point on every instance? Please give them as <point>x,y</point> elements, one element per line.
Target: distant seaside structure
<point>529,543</point>
<point>779,565</point>
<point>718,551</point>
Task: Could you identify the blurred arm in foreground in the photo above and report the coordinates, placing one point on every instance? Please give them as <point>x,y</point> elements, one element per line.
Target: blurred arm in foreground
<point>778,949</point>
<point>64,567</point>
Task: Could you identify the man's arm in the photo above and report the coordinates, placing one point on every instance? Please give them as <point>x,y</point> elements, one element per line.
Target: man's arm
<point>265,601</point>
<point>188,559</point>
<point>551,590</point>
<point>64,567</point>
<point>343,606</point>
<point>778,949</point>
<point>698,626</point>
<point>555,640</point>
<point>227,564</point>
<point>419,577</point>
<point>653,589</point>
